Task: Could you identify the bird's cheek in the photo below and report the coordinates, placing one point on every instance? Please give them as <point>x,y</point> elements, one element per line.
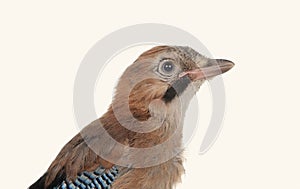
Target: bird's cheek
<point>142,95</point>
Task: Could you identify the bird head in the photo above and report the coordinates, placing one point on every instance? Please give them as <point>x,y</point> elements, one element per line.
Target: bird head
<point>164,76</point>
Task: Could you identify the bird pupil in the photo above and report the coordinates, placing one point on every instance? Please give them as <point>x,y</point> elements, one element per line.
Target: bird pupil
<point>168,66</point>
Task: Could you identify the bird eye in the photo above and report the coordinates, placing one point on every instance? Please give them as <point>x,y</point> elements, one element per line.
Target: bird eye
<point>167,67</point>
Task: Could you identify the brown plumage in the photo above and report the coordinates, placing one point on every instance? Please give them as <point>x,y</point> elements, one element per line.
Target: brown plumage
<point>150,99</point>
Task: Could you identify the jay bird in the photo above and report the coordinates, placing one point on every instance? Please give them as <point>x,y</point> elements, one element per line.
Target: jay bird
<point>150,99</point>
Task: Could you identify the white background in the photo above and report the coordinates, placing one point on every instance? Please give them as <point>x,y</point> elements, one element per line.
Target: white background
<point>42,45</point>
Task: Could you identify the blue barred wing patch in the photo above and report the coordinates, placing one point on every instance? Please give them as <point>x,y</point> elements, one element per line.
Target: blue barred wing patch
<point>99,179</point>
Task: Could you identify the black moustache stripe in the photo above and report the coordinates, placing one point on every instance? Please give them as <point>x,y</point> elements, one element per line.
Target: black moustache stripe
<point>176,88</point>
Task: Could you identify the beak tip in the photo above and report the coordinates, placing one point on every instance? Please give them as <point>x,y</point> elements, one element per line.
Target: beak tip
<point>225,65</point>
<point>232,64</point>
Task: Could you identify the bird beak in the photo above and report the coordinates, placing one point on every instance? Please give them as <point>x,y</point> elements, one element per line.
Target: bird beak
<point>213,68</point>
